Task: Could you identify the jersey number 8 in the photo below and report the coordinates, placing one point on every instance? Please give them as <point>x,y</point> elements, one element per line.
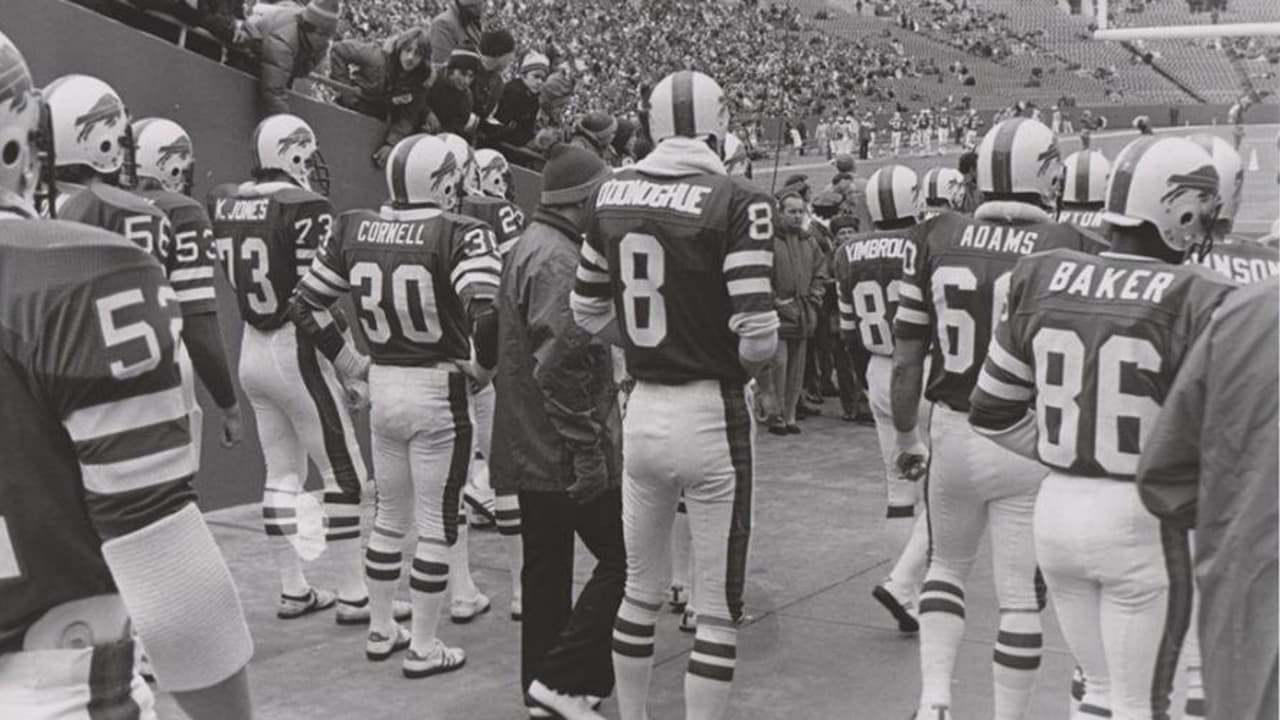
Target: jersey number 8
<point>643,272</point>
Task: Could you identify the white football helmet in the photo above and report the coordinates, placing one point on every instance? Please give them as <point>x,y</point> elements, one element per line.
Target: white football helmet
<point>1019,156</point>
<point>1084,178</point>
<point>287,143</point>
<point>942,187</point>
<point>1169,182</point>
<point>688,104</point>
<point>494,173</point>
<point>1230,176</point>
<point>466,158</point>
<point>892,194</point>
<point>422,170</point>
<point>20,109</point>
<point>90,123</point>
<point>163,153</point>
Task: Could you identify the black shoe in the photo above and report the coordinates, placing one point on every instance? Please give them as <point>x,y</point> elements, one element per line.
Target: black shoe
<point>777,429</point>
<point>813,398</point>
<point>793,430</point>
<point>830,391</point>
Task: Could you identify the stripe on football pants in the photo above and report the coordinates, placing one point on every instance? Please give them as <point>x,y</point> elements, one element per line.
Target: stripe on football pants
<point>331,421</point>
<point>1177,619</point>
<point>682,115</point>
<point>460,461</point>
<point>737,421</point>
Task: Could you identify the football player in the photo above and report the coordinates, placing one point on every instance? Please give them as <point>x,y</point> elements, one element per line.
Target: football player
<point>266,231</point>
<point>941,189</point>
<point>163,172</point>
<point>423,280</point>
<point>951,294</point>
<point>92,139</point>
<point>684,252</point>
<point>895,132</point>
<point>99,530</point>
<point>1084,185</point>
<point>1075,375</point>
<point>1243,260</point>
<point>868,267</point>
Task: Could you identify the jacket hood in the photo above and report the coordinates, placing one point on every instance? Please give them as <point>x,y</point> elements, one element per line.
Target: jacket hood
<point>679,156</point>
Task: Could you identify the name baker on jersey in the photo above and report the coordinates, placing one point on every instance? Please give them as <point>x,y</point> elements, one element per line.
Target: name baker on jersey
<point>1139,283</point>
<point>680,197</point>
<point>229,209</point>
<point>999,238</point>
<point>881,247</point>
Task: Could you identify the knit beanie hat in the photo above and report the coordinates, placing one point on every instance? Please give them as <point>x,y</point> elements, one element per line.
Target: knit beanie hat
<point>571,175</point>
<point>535,61</point>
<point>323,15</point>
<point>843,221</point>
<point>601,127</point>
<point>844,163</point>
<point>496,43</point>
<point>465,59</point>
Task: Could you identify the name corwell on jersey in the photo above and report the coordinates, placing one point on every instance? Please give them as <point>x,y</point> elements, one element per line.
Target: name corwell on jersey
<point>680,197</point>
<point>1138,283</point>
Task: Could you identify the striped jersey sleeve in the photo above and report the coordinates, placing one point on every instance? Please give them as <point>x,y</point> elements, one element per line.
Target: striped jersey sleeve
<point>844,298</point>
<point>323,283</point>
<point>107,359</point>
<point>914,320</point>
<point>191,260</point>
<point>592,296</point>
<point>474,265</point>
<point>748,262</point>
<point>1006,384</point>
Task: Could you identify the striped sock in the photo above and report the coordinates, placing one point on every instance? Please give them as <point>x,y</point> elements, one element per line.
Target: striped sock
<point>383,561</point>
<point>342,536</point>
<point>428,580</point>
<point>710,675</point>
<point>1195,693</point>
<point>941,629</point>
<point>507,510</point>
<point>1016,661</point>
<point>633,655</point>
<point>280,521</point>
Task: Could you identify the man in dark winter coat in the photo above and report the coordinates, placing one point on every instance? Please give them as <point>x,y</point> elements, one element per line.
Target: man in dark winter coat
<point>497,50</point>
<point>390,80</point>
<point>557,440</point>
<point>288,41</point>
<point>458,26</point>
<point>518,110</point>
<point>450,95</point>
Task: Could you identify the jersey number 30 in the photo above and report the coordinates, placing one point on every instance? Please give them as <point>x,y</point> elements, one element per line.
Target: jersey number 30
<point>419,323</point>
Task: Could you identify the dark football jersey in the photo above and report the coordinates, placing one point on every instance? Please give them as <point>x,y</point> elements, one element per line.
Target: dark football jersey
<point>190,265</point>
<point>412,281</point>
<point>867,269</point>
<point>954,291</point>
<point>1093,344</point>
<point>502,216</point>
<point>94,432</point>
<point>266,235</point>
<point>683,259</point>
<point>1084,219</point>
<point>1244,261</point>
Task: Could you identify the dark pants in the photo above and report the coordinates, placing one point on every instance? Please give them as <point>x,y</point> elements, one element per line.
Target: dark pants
<point>566,646</point>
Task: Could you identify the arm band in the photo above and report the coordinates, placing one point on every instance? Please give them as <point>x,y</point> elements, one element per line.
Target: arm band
<point>182,600</point>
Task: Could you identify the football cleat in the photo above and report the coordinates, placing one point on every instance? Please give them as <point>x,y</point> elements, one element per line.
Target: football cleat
<point>439,659</point>
<point>892,194</point>
<point>162,154</point>
<point>688,104</point>
<point>379,647</point>
<point>421,171</point>
<point>1020,157</point>
<point>1084,178</point>
<point>287,143</point>
<point>90,123</point>
<point>1169,183</point>
<point>495,173</point>
<point>20,129</point>
<point>351,612</point>
<point>1230,177</point>
<point>902,609</point>
<point>462,612</point>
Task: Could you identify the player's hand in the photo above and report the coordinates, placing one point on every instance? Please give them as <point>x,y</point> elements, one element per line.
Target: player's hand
<point>912,457</point>
<point>351,364</point>
<point>380,156</point>
<point>356,394</point>
<point>590,476</point>
<point>232,426</point>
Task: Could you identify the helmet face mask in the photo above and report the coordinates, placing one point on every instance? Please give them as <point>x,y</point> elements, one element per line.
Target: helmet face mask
<point>1170,184</point>
<point>23,128</point>
<point>162,155</point>
<point>495,173</point>
<point>1230,169</point>
<point>288,144</point>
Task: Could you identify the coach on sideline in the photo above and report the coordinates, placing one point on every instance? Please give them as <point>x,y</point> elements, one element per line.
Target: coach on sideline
<point>557,440</point>
<point>1211,462</point>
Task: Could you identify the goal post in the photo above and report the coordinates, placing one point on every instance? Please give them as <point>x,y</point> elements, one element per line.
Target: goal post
<point>1162,32</point>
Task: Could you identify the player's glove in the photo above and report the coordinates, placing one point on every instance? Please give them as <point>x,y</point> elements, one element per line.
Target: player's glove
<point>232,426</point>
<point>351,364</point>
<point>913,457</point>
<point>590,475</point>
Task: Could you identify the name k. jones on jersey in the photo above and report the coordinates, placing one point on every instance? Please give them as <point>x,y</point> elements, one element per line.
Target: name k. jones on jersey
<point>999,238</point>
<point>1086,281</point>
<point>680,197</point>
<point>390,233</point>
<point>881,247</point>
<point>240,210</point>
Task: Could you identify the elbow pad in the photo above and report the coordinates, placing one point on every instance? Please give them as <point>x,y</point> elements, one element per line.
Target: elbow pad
<point>484,334</point>
<point>182,600</point>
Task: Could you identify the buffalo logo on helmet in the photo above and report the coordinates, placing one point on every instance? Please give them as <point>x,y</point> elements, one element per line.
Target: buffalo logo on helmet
<point>447,171</point>
<point>107,110</point>
<point>1048,156</point>
<point>15,81</point>
<point>300,138</point>
<point>494,164</point>
<point>1202,180</point>
<point>179,149</point>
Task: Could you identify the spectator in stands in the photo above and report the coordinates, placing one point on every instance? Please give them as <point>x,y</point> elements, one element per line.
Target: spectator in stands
<point>450,95</point>
<point>288,42</point>
<point>968,166</point>
<point>224,19</point>
<point>624,141</point>
<point>594,131</point>
<point>518,109</point>
<point>457,26</point>
<point>497,50</point>
<point>557,91</point>
<point>388,81</point>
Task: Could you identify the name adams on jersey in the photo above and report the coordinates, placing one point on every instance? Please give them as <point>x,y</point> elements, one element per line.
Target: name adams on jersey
<point>94,433</point>
<point>867,270</point>
<point>412,276</point>
<point>1094,342</point>
<point>266,235</point>
<point>682,259</point>
<point>955,290</point>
